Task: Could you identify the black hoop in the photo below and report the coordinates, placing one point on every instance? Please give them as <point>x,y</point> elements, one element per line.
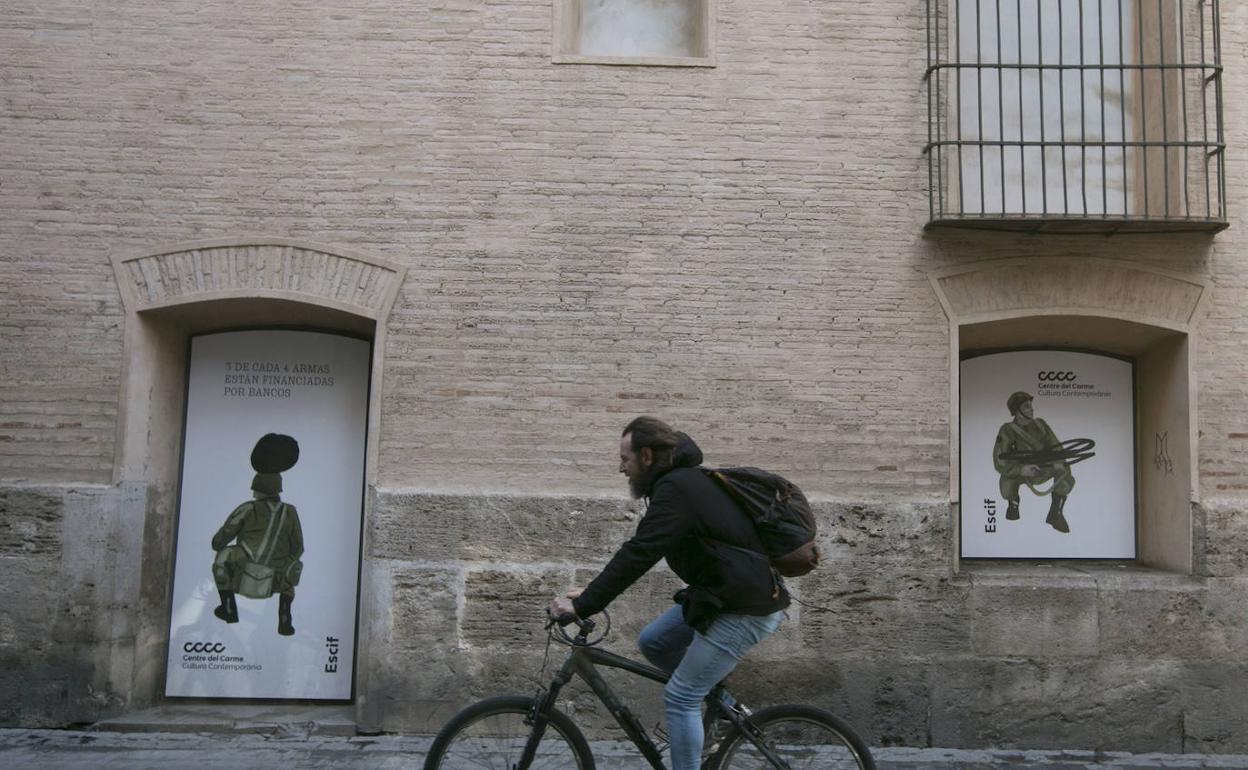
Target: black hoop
<point>1071,451</point>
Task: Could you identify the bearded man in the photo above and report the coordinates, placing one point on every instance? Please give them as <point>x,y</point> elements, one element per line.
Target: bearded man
<point>733,599</point>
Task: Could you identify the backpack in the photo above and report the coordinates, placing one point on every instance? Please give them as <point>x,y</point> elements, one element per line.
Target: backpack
<point>781,515</point>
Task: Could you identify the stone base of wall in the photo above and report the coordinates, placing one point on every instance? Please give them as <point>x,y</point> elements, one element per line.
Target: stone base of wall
<point>84,572</point>
<point>1087,655</point>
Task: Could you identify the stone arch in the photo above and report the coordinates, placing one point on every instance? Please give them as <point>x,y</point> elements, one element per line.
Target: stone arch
<point>193,288</point>
<point>1069,286</point>
<point>1146,314</point>
<point>181,290</point>
<point>271,268</point>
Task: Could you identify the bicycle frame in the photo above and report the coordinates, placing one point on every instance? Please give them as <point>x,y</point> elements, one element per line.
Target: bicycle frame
<point>581,661</point>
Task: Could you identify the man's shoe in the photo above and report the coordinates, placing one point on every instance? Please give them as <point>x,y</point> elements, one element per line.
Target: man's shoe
<point>1057,521</point>
<point>228,611</point>
<point>1011,511</point>
<point>1055,518</point>
<point>284,621</point>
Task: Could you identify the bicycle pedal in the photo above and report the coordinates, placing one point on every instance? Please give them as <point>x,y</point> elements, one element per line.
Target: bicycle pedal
<point>662,742</point>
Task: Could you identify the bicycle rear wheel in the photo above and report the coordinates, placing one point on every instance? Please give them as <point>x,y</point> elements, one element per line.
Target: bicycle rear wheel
<point>492,734</point>
<point>803,736</point>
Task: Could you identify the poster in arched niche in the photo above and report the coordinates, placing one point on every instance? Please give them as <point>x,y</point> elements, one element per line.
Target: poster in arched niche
<point>270,512</point>
<point>1118,306</point>
<point>1048,455</point>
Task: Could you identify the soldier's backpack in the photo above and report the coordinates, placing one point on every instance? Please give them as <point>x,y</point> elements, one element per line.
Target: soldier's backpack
<point>781,515</point>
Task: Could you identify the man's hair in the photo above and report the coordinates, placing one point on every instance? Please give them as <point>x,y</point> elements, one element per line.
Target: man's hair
<point>653,433</point>
<point>1016,400</point>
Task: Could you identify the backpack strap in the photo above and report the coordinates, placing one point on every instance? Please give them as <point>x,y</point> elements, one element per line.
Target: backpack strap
<point>269,543</point>
<point>755,554</point>
<point>1032,442</point>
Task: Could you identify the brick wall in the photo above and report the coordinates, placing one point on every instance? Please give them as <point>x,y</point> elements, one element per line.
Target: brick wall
<point>738,249</point>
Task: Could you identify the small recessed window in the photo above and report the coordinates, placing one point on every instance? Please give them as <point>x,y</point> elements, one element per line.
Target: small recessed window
<point>640,32</point>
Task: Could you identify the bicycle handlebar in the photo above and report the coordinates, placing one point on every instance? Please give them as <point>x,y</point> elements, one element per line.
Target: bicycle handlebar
<point>584,626</point>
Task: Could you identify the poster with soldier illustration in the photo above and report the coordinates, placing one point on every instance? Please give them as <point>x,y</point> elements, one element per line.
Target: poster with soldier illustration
<point>269,516</point>
<point>1047,456</point>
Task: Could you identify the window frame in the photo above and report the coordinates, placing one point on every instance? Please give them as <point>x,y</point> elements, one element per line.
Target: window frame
<point>1177,147</point>
<point>1146,314</point>
<point>566,32</point>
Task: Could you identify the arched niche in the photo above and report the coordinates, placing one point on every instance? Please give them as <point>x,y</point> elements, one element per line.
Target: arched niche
<point>187,289</point>
<point>1141,313</point>
<point>214,285</point>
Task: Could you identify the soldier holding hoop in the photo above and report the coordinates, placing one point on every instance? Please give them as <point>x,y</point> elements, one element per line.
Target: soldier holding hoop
<point>1026,435</point>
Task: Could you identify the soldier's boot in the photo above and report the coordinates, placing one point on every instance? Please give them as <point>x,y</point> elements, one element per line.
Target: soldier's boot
<point>1055,519</point>
<point>228,611</point>
<point>284,619</point>
<point>1011,510</point>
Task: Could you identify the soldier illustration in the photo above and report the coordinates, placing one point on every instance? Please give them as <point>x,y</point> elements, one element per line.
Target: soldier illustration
<point>1026,435</point>
<point>268,540</point>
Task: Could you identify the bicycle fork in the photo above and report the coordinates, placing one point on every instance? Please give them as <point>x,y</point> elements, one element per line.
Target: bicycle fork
<point>537,717</point>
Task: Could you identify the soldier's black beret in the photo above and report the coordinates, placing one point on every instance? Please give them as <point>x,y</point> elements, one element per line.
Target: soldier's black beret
<point>274,453</point>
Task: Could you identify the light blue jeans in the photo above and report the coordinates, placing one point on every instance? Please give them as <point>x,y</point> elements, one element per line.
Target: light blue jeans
<point>697,662</point>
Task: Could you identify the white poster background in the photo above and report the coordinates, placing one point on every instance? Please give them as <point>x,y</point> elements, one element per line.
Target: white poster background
<point>1097,404</point>
<point>238,391</point>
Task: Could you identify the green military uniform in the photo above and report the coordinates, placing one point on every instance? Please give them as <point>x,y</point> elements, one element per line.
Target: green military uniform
<point>268,534</point>
<point>268,539</point>
<point>1028,433</point>
<point>1035,436</point>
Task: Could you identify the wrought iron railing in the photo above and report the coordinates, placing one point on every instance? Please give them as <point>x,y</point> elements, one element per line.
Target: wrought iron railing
<point>1075,115</point>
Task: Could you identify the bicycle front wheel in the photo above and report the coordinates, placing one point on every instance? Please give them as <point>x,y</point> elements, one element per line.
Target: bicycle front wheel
<point>491,735</point>
<point>803,737</point>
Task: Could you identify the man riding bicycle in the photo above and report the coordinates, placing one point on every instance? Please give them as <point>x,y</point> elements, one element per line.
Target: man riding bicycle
<point>733,599</point>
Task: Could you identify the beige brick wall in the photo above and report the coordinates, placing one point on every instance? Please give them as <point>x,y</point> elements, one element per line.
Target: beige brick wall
<point>738,248</point>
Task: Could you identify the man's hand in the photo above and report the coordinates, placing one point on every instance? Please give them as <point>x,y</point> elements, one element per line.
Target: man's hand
<point>1031,471</point>
<point>562,605</point>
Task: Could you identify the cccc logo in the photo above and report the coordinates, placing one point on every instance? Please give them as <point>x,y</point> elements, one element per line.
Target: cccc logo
<point>212,647</point>
<point>1056,376</point>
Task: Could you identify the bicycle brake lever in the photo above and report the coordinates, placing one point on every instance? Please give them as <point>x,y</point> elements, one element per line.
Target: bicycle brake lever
<point>563,621</point>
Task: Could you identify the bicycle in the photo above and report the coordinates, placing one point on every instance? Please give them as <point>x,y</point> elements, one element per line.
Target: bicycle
<point>517,732</point>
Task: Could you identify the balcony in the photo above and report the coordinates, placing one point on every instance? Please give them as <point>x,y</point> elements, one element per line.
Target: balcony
<point>1075,116</point>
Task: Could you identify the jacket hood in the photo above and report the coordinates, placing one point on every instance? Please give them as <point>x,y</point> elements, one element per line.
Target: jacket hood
<point>687,454</point>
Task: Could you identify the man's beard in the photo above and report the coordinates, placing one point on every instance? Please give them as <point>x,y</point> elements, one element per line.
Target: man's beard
<point>639,485</point>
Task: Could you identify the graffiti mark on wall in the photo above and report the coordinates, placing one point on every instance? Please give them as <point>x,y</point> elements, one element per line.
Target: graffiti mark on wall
<point>1161,454</point>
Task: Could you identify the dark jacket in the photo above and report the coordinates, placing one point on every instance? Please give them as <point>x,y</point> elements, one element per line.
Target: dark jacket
<point>708,542</point>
